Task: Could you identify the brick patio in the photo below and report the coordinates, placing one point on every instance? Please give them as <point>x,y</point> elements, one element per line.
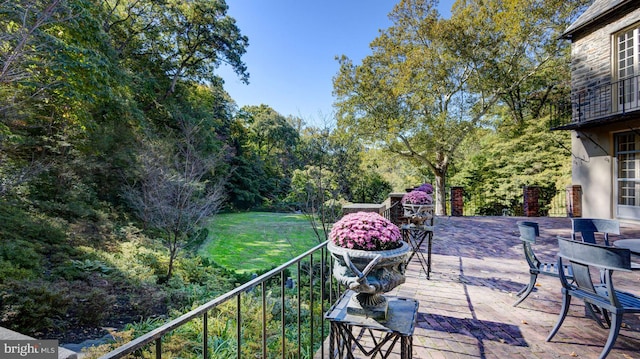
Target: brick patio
<point>466,307</point>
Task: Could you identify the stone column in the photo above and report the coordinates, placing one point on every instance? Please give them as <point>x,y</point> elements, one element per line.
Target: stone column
<point>531,201</point>
<point>574,201</point>
<point>457,201</point>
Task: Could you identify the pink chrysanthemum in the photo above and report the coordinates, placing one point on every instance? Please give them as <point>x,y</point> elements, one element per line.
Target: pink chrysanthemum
<point>425,187</point>
<point>365,231</point>
<point>417,197</point>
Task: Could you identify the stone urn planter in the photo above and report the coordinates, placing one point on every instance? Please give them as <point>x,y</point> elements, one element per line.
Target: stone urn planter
<point>418,205</point>
<point>418,213</point>
<point>375,263</point>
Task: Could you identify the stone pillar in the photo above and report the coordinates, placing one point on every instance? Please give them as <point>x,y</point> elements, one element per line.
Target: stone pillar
<point>457,201</point>
<point>574,201</point>
<point>531,201</point>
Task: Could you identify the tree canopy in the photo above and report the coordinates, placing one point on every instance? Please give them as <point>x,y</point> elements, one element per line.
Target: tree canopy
<point>430,82</point>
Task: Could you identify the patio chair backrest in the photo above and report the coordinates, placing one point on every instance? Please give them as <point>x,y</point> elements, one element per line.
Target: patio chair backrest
<point>529,231</point>
<point>588,227</point>
<point>582,255</point>
<point>596,292</point>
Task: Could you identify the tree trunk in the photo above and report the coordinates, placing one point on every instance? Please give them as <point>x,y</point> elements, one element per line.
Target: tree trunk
<point>441,204</point>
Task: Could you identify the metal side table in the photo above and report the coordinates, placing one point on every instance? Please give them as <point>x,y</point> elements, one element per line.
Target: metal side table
<point>349,332</point>
<point>415,235</point>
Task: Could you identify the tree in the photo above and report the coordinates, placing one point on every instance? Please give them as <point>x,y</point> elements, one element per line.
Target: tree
<point>177,191</point>
<point>423,90</point>
<point>513,46</point>
<point>526,154</point>
<point>186,40</point>
<point>274,140</point>
<point>409,95</point>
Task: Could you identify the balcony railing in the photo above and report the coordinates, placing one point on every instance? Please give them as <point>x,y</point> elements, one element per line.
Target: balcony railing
<point>599,102</point>
<point>311,292</point>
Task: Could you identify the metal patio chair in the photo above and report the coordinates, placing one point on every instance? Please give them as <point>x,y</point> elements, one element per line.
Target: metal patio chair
<point>529,231</point>
<point>600,292</point>
<point>587,228</point>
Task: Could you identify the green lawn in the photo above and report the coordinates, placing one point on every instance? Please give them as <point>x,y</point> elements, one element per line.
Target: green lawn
<point>253,241</point>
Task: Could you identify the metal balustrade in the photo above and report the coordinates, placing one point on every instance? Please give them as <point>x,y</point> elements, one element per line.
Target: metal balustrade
<point>321,284</point>
<point>598,102</point>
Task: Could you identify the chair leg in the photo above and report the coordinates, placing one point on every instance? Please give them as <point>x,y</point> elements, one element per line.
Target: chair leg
<point>607,317</point>
<point>616,321</point>
<point>566,302</point>
<point>592,311</point>
<point>524,292</point>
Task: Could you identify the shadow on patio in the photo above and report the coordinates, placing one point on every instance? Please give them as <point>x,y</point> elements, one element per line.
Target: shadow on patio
<point>477,267</point>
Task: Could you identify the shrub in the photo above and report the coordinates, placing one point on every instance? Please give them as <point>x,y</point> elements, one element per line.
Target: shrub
<point>32,306</point>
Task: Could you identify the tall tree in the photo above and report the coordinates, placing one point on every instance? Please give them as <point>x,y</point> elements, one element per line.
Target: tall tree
<point>186,40</point>
<point>423,89</point>
<point>274,140</point>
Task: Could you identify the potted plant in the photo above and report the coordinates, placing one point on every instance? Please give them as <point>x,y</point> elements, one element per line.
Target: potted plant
<point>418,204</point>
<point>370,259</point>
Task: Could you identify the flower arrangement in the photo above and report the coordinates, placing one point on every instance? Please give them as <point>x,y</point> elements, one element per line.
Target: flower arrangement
<point>417,197</point>
<point>365,231</point>
<point>425,187</point>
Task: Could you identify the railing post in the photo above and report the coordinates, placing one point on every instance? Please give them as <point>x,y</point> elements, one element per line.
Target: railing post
<point>263,286</point>
<point>457,201</point>
<point>283,316</point>
<point>239,326</point>
<point>531,201</point>
<point>396,214</point>
<point>574,201</point>
<point>205,335</point>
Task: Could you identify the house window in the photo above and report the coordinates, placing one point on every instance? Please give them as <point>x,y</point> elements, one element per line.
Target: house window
<point>628,67</point>
<point>628,176</point>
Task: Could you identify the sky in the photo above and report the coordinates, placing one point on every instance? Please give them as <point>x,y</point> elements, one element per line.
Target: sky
<point>293,45</point>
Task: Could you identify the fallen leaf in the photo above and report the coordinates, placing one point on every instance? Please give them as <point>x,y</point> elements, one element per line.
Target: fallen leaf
<point>573,354</point>
<point>524,321</point>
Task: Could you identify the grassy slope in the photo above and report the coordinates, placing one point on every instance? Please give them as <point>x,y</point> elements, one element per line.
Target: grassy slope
<point>253,241</point>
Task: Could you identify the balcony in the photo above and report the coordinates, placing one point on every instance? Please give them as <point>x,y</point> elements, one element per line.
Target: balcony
<point>465,308</point>
<point>597,105</point>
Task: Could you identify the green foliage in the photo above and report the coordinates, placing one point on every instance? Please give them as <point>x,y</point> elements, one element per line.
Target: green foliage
<point>32,305</point>
<point>370,187</point>
<point>519,155</point>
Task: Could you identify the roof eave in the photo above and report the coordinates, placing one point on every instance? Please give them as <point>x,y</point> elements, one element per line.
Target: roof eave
<point>613,12</point>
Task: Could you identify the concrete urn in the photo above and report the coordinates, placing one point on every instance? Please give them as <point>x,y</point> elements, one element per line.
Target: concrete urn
<point>369,274</point>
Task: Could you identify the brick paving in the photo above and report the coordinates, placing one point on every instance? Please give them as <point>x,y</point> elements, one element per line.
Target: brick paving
<point>477,267</point>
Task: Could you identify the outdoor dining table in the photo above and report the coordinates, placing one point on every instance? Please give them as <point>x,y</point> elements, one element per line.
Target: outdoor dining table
<point>632,244</point>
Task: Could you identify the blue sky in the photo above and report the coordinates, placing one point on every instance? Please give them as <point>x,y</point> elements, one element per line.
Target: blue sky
<point>292,49</point>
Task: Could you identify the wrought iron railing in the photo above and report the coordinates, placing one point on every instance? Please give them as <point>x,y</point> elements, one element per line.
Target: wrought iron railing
<point>552,203</point>
<point>598,102</point>
<point>320,287</point>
